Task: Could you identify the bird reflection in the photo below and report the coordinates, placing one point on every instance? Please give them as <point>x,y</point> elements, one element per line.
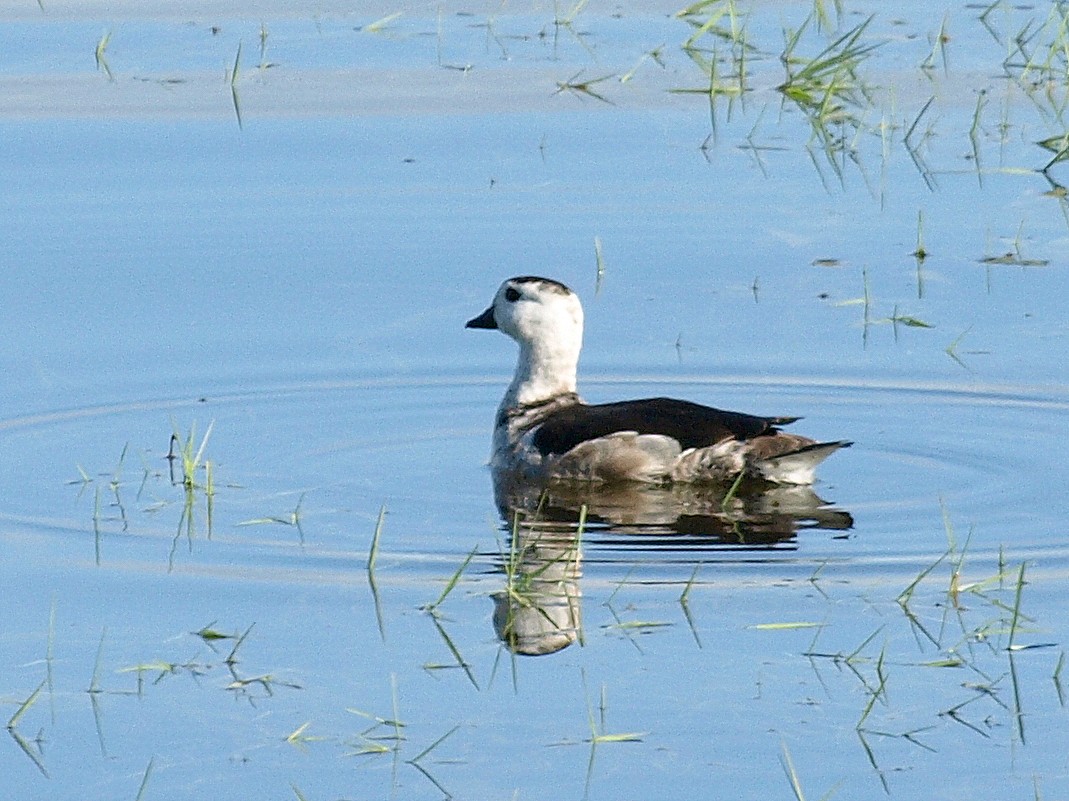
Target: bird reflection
<point>539,612</point>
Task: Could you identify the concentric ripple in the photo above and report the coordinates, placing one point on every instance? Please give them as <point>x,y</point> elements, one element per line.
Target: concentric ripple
<point>930,461</point>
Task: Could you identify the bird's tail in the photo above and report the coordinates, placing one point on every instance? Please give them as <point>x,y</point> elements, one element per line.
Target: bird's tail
<point>797,466</point>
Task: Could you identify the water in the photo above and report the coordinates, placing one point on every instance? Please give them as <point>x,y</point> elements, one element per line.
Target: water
<point>299,282</point>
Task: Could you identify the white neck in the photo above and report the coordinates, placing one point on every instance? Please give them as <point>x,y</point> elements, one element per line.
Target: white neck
<point>542,373</point>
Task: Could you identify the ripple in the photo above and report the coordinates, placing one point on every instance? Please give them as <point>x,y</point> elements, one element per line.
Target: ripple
<point>932,460</point>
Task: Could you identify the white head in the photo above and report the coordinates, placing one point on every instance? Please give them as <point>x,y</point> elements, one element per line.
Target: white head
<point>546,320</point>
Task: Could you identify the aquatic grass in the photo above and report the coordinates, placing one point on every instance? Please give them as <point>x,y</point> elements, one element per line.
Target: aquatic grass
<point>828,81</point>
<point>144,780</point>
<point>188,455</point>
<point>906,596</point>
<point>372,741</point>
<point>913,146</point>
<point>96,525</point>
<point>292,519</point>
<point>24,707</point>
<point>920,254</point>
<point>232,658</point>
<point>240,685</point>
<point>458,658</point>
<point>684,597</point>
<point>584,88</point>
<point>619,585</point>
<point>236,102</point>
<point>116,473</point>
<point>974,135</point>
<point>939,48</point>
<point>599,262</point>
<point>27,746</point>
<point>372,557</point>
<point>1042,47</point>
<point>815,578</point>
<point>376,602</point>
<point>235,70</point>
<point>209,499</point>
<point>83,478</point>
<point>789,770</point>
<point>1015,686</point>
<point>756,150</point>
<point>1015,257</point>
<point>264,63</point>
<point>1016,619</point>
<point>598,731</point>
<point>566,22</point>
<point>93,691</point>
<point>792,775</point>
<point>50,659</point>
<point>373,551</point>
<point>865,301</point>
<point>907,320</point>
<point>730,83</point>
<point>877,693</point>
<point>951,350</point>
<point>416,761</point>
<point>628,628</point>
<point>94,682</point>
<point>380,25</point>
<point>210,635</point>
<point>566,19</point>
<point>871,756</point>
<point>786,625</point>
<point>684,604</point>
<point>532,551</point>
<point>163,668</point>
<point>853,662</point>
<point>641,625</point>
<point>655,55</point>
<point>1059,146</point>
<point>729,496</point>
<point>299,739</point>
<point>706,17</point>
<point>453,581</point>
<point>396,722</point>
<point>114,484</point>
<point>100,55</point>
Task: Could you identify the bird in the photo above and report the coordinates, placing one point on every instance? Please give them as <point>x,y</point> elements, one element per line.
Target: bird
<point>544,430</point>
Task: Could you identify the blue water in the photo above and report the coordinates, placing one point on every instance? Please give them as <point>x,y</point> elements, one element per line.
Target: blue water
<point>300,282</point>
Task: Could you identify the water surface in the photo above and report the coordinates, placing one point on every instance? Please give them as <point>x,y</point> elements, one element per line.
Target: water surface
<point>289,257</point>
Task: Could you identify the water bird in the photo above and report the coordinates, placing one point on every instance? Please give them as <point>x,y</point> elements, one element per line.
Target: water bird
<point>544,430</point>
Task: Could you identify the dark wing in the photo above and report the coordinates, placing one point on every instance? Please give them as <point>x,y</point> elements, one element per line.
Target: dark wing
<point>691,424</point>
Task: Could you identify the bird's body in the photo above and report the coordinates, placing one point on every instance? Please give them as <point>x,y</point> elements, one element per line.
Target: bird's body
<point>544,430</point>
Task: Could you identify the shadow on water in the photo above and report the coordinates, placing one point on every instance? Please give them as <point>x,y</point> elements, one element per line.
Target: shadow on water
<point>549,524</point>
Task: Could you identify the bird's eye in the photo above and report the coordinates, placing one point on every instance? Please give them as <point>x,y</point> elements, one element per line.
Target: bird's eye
<point>511,295</point>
